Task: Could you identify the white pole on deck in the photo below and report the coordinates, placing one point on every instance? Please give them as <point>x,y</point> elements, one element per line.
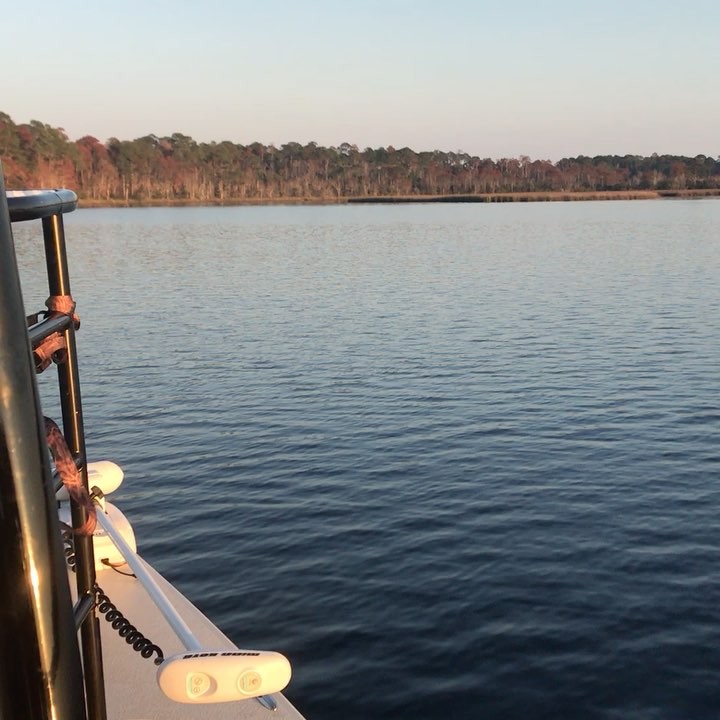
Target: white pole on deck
<point>170,614</point>
<point>148,582</point>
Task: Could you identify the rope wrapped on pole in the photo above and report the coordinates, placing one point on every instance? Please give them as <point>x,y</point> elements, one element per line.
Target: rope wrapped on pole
<point>70,476</point>
<point>53,348</point>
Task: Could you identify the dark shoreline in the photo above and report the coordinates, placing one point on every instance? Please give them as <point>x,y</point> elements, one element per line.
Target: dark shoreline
<point>554,196</point>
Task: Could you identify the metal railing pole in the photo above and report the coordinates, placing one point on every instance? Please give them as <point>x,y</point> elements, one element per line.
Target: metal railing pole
<point>41,670</point>
<point>71,404</point>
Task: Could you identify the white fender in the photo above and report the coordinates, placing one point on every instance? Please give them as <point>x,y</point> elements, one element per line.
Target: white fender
<point>213,676</point>
<point>104,547</point>
<point>103,474</point>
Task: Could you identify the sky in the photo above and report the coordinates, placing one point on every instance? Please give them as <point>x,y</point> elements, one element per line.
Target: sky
<point>501,78</point>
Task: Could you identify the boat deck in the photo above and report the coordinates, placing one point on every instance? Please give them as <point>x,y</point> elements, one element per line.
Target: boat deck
<point>130,680</point>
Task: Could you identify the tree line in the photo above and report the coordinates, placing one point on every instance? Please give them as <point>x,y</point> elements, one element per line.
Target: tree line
<point>177,168</point>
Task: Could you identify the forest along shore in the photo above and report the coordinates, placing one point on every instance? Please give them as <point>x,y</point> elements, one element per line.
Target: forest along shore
<point>389,199</point>
<point>177,170</point>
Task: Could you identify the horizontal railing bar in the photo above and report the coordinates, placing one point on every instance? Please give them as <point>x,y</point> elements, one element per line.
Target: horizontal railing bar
<point>36,204</point>
<point>82,609</point>
<point>45,328</point>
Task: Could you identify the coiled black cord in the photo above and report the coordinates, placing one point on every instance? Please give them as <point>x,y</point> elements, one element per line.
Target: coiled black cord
<point>125,629</point>
<point>107,608</point>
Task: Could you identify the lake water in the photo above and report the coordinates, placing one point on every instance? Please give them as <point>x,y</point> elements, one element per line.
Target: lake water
<point>456,461</point>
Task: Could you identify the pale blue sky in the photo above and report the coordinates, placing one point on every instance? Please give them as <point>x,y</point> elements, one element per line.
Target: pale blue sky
<point>544,78</point>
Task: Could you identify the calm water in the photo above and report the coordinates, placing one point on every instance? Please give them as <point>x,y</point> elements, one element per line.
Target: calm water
<point>455,461</point>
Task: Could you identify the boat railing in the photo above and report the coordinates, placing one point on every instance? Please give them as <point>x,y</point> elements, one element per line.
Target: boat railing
<point>55,676</point>
<point>48,674</point>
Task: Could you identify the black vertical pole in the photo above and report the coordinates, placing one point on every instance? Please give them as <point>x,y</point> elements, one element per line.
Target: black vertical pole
<point>71,404</point>
<point>41,672</point>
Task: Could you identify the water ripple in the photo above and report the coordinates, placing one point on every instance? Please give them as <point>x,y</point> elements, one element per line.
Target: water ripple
<point>457,462</point>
